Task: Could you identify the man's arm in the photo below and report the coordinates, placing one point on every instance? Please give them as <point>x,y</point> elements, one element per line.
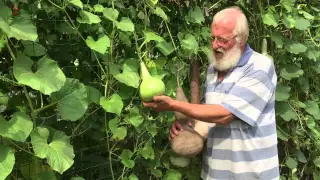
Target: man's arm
<point>210,113</point>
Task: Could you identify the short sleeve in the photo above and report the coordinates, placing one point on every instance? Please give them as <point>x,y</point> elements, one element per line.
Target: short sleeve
<point>249,96</point>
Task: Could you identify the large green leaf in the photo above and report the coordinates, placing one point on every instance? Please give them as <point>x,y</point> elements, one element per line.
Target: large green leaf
<point>58,152</point>
<point>295,47</point>
<point>129,75</point>
<point>316,161</point>
<point>72,100</point>
<point>196,15</point>
<point>289,72</point>
<point>291,163</point>
<point>151,36</point>
<point>285,111</point>
<point>33,49</point>
<point>189,42</point>
<point>20,27</point>
<point>100,45</point>
<point>77,3</point>
<point>126,158</point>
<point>48,77</point>
<point>88,18</point>
<point>165,47</point>
<point>125,24</point>
<point>282,92</point>
<point>119,132</point>
<point>312,108</point>
<point>112,104</point>
<point>288,4</point>
<point>18,128</point>
<point>111,14</point>
<point>302,24</point>
<point>172,174</point>
<point>159,11</point>
<point>288,21</point>
<point>7,161</point>
<point>271,18</point>
<point>147,151</point>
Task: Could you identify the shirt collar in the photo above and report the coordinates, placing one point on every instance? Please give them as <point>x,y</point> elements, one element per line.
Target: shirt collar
<point>245,56</point>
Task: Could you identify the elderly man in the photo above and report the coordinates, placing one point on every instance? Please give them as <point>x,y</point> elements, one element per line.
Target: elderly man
<point>238,106</point>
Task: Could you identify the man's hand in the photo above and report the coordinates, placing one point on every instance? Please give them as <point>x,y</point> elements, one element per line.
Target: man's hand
<point>175,128</point>
<point>160,103</point>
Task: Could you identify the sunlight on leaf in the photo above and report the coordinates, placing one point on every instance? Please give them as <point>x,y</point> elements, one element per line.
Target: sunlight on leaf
<point>282,92</point>
<point>18,128</point>
<point>47,79</point>
<point>59,152</point>
<point>77,3</point>
<point>7,161</point>
<point>112,104</point>
<point>125,24</point>
<point>88,18</point>
<point>111,14</point>
<point>101,45</point>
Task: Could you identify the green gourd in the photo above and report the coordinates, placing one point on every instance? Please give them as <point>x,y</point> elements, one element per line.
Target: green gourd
<point>150,86</point>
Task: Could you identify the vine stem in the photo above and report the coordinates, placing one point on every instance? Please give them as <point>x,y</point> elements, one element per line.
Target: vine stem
<point>174,45</point>
<point>9,48</point>
<point>31,106</point>
<point>22,149</point>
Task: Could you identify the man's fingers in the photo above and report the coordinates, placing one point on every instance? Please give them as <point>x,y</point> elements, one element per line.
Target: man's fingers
<point>178,125</point>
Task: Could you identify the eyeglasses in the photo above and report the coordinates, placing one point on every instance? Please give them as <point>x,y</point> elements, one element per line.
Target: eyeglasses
<point>221,40</point>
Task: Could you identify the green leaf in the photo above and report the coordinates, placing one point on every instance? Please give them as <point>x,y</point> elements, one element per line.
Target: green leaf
<point>112,104</point>
<point>119,133</point>
<point>135,120</point>
<point>301,157</point>
<point>282,92</point>
<point>172,174</point>
<point>277,38</point>
<point>18,128</point>
<point>165,47</point>
<point>93,95</point>
<point>196,15</point>
<point>48,77</point>
<point>20,28</point>
<point>288,4</point>
<point>33,49</point>
<point>3,99</point>
<point>271,18</point>
<point>316,162</point>
<point>147,151</point>
<point>59,152</point>
<point>152,2</point>
<point>161,13</point>
<point>285,111</point>
<point>111,14</point>
<point>101,45</point>
<point>98,8</point>
<point>129,75</point>
<point>306,15</point>
<point>288,21</point>
<point>282,135</point>
<point>133,177</point>
<point>151,36</point>
<point>290,71</point>
<point>126,158</point>
<point>88,18</point>
<point>302,24</point>
<point>189,42</point>
<point>125,24</point>
<point>291,163</point>
<point>312,107</point>
<point>7,161</point>
<point>72,100</point>
<point>295,47</point>
<point>77,3</point>
<point>156,172</point>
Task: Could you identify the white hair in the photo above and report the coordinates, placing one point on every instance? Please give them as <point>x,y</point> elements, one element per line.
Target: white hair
<point>241,29</point>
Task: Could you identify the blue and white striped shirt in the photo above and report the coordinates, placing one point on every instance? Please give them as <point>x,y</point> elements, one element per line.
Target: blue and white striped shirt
<point>246,149</point>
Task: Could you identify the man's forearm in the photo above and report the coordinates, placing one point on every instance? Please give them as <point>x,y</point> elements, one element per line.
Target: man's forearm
<point>210,113</point>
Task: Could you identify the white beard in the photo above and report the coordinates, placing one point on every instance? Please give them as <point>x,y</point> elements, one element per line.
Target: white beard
<point>229,59</point>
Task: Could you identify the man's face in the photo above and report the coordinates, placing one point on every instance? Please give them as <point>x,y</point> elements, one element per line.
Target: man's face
<point>226,51</point>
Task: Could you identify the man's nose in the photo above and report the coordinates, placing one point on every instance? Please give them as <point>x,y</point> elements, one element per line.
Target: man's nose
<point>215,44</point>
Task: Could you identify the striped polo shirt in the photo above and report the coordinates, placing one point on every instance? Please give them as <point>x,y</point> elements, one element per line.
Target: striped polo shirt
<point>246,149</point>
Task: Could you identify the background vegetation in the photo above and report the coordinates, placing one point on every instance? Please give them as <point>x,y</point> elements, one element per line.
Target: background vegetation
<point>70,75</point>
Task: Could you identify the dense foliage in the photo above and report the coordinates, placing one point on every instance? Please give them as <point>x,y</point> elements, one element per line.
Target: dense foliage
<point>69,83</point>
